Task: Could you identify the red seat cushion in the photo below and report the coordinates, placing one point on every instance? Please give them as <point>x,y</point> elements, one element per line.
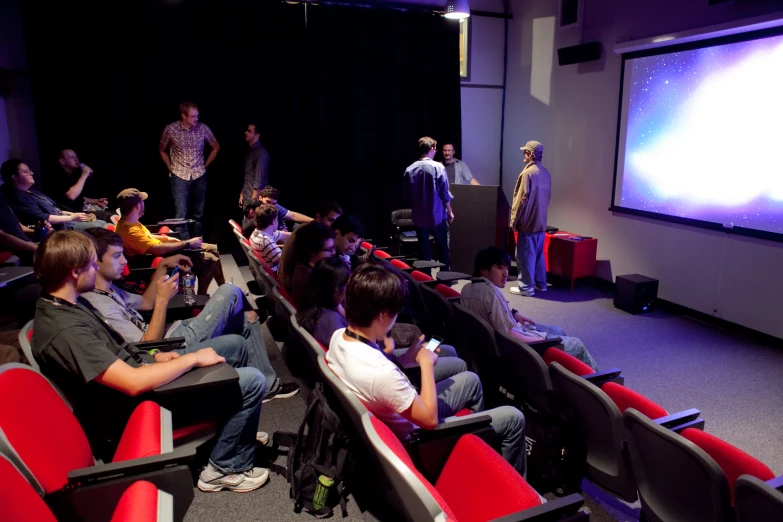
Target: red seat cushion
<point>394,444</point>
<point>396,263</point>
<point>381,254</point>
<point>480,485</point>
<point>110,227</point>
<point>41,428</point>
<point>366,245</point>
<point>187,431</point>
<point>463,412</point>
<point>569,362</point>
<point>142,436</point>
<point>625,398</point>
<point>156,262</point>
<point>421,276</point>
<point>125,271</point>
<point>19,501</point>
<point>447,291</point>
<point>164,230</point>
<point>732,460</point>
<point>139,503</point>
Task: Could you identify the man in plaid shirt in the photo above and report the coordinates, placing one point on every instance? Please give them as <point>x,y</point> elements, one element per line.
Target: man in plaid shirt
<point>182,150</point>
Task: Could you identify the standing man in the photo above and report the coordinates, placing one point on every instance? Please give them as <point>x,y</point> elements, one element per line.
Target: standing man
<point>456,170</point>
<point>68,185</point>
<point>185,140</point>
<point>427,188</point>
<point>256,166</point>
<point>528,219</point>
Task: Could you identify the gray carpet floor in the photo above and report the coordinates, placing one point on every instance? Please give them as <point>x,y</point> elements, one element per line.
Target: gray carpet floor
<point>674,360</point>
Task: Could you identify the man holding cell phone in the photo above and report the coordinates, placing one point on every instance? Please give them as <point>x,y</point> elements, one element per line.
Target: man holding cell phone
<point>374,296</point>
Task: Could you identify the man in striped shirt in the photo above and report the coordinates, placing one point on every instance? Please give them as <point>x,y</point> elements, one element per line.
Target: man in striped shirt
<point>182,150</point>
<point>264,238</point>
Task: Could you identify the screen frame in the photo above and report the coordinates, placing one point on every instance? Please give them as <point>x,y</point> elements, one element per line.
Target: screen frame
<point>674,48</point>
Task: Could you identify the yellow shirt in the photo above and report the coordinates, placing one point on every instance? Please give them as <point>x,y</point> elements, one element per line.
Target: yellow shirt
<point>135,237</point>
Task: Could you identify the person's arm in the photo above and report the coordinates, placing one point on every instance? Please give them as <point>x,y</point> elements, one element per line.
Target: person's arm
<point>213,153</point>
<point>165,288</point>
<point>262,168</point>
<point>164,147</point>
<point>76,188</point>
<point>135,381</point>
<point>15,245</point>
<point>523,337</point>
<point>297,217</point>
<point>442,186</point>
<point>148,298</point>
<point>522,319</point>
<point>170,247</point>
<point>424,410</point>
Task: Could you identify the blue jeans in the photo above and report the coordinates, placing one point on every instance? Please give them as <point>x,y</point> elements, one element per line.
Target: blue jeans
<point>441,234</point>
<point>571,345</point>
<point>189,195</point>
<point>464,391</point>
<point>224,314</point>
<point>234,449</point>
<point>448,364</point>
<point>530,260</point>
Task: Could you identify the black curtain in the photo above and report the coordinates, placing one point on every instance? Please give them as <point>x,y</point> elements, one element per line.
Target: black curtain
<point>340,94</point>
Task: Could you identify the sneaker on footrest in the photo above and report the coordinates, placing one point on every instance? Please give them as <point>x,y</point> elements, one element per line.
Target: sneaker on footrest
<point>284,391</point>
<point>262,437</point>
<point>212,480</point>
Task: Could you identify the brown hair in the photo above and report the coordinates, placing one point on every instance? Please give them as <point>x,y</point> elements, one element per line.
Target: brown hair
<point>104,238</point>
<point>184,107</point>
<point>265,215</point>
<point>426,144</point>
<point>61,253</point>
<point>372,290</point>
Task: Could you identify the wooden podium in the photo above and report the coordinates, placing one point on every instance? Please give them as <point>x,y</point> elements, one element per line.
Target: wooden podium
<point>481,220</point>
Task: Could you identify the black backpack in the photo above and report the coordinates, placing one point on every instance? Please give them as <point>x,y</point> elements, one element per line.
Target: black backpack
<point>321,447</point>
<point>555,445</point>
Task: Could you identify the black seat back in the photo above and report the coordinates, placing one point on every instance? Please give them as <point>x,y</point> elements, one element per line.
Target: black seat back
<point>758,501</point>
<point>527,375</point>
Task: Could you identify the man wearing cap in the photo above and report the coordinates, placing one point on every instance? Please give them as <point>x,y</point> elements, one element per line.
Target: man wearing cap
<point>182,150</point>
<point>528,219</point>
<point>138,240</point>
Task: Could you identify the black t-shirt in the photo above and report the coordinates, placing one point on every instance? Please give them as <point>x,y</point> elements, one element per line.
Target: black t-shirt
<point>73,345</point>
<point>9,223</point>
<point>60,183</point>
<point>451,171</point>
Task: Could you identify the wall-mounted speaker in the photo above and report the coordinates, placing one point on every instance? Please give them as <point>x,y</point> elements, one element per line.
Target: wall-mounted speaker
<point>579,53</point>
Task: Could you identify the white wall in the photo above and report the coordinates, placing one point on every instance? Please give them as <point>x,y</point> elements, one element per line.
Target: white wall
<point>482,104</point>
<point>572,110</point>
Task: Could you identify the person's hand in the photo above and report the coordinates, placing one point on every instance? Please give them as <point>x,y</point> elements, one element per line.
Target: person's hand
<point>103,202</point>
<point>44,225</point>
<point>80,217</point>
<point>183,262</point>
<point>522,319</point>
<point>165,356</point>
<point>241,199</point>
<point>451,217</point>
<point>86,171</point>
<point>425,357</point>
<point>388,345</point>
<point>207,357</point>
<point>167,288</point>
<point>195,243</point>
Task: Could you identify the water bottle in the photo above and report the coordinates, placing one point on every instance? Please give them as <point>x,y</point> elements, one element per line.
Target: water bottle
<point>189,288</point>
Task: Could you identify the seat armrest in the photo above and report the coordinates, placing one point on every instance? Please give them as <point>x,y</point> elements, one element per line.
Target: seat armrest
<point>419,264</point>
<point>445,276</point>
<point>164,345</point>
<point>449,429</point>
<point>610,375</point>
<point>695,423</point>
<point>216,375</point>
<point>553,510</point>
<point>453,299</point>
<point>543,344</point>
<point>180,455</point>
<point>681,417</point>
<point>776,483</point>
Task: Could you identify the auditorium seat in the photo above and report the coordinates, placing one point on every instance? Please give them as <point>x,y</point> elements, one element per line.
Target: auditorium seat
<point>140,502</point>
<point>41,436</point>
<point>687,476</point>
<point>599,408</point>
<point>475,484</point>
<point>757,500</point>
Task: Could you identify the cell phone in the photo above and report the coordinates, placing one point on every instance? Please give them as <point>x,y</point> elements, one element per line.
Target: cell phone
<point>433,343</point>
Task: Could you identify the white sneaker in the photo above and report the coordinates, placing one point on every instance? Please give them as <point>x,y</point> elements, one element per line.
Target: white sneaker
<point>518,291</point>
<point>212,480</point>
<point>541,288</point>
<point>262,437</point>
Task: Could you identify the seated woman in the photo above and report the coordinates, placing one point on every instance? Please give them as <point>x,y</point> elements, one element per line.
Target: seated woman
<point>320,313</point>
<point>314,242</point>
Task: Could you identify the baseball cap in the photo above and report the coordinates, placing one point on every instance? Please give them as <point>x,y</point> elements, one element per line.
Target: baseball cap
<point>129,198</point>
<point>535,147</point>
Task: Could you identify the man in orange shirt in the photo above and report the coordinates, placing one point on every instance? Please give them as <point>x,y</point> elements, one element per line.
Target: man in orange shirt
<point>138,240</point>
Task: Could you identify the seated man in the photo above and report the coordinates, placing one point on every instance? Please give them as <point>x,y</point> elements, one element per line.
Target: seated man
<point>14,237</point>
<point>269,195</point>
<point>374,296</point>
<point>264,237</point>
<point>86,359</point>
<point>34,207</point>
<point>139,241</point>
<point>485,299</point>
<point>328,212</point>
<point>348,234</point>
<point>223,314</point>
<point>315,242</point>
<point>67,185</point>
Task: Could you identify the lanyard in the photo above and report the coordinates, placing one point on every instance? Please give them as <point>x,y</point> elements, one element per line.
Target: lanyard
<point>134,316</point>
<point>371,344</point>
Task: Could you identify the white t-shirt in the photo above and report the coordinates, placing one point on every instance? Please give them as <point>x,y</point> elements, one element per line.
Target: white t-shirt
<point>378,383</point>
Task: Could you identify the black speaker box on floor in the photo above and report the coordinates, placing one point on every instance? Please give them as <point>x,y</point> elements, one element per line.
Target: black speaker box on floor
<point>579,53</point>
<point>635,293</point>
